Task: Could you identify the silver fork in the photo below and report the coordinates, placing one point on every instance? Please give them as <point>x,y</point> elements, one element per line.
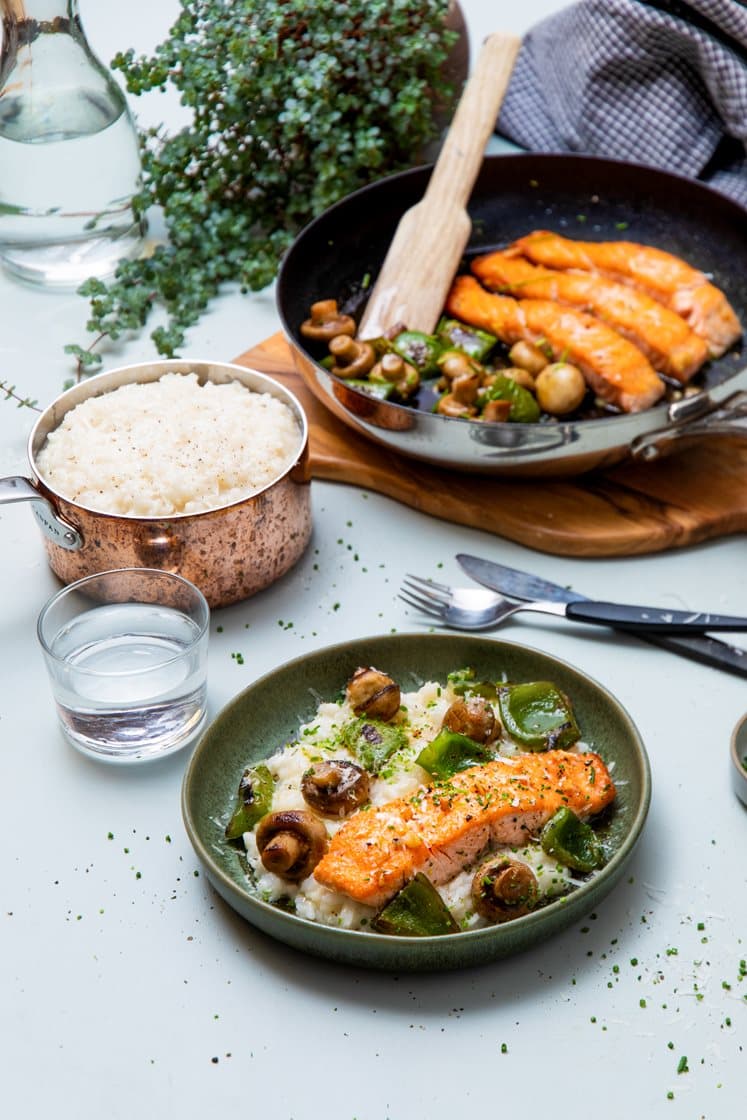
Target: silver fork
<point>466,608</point>
<point>475,609</point>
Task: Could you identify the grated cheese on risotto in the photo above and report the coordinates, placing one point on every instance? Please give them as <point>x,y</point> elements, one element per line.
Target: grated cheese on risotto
<point>421,716</point>
<point>172,446</point>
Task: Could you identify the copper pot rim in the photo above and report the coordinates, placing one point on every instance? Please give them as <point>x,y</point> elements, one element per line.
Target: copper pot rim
<point>75,395</point>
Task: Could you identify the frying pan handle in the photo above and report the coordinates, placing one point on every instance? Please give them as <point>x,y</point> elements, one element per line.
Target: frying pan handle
<point>54,527</point>
<point>730,419</point>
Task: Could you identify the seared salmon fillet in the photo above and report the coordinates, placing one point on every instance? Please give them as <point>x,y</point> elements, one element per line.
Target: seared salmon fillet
<point>665,277</point>
<point>614,368</point>
<point>444,829</point>
<point>664,337</point>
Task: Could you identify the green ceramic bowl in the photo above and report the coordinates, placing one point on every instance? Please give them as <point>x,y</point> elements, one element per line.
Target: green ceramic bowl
<point>267,714</point>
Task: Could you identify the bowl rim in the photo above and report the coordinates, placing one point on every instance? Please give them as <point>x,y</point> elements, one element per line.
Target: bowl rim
<point>738,769</point>
<point>574,901</point>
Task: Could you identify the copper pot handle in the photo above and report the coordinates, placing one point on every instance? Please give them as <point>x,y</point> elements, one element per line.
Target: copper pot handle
<point>54,527</point>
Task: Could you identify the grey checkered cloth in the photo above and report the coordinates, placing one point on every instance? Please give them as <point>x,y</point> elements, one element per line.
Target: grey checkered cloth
<point>658,82</point>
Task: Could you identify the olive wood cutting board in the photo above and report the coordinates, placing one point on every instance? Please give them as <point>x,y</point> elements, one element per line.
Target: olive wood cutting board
<point>628,510</point>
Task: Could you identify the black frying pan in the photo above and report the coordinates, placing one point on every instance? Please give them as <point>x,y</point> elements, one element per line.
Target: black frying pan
<point>582,197</point>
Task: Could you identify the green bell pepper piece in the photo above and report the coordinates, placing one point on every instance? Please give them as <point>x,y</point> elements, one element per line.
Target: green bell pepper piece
<point>463,683</point>
<point>450,752</point>
<point>571,841</point>
<point>253,802</point>
<point>382,390</point>
<point>372,741</point>
<point>460,336</point>
<point>538,715</point>
<point>419,349</point>
<point>417,911</point>
<point>524,408</point>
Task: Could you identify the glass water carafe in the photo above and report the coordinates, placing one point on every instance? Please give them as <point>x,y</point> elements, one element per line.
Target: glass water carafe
<point>69,159</point>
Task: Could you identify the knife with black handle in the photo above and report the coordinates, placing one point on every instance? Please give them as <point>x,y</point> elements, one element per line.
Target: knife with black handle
<point>523,585</point>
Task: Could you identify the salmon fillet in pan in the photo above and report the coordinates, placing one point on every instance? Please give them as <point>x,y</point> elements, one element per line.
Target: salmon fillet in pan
<point>664,337</point>
<point>377,851</point>
<point>665,277</point>
<point>614,368</point>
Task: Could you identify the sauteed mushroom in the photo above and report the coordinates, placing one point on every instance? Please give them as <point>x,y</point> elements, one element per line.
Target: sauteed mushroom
<point>326,322</point>
<point>527,356</point>
<point>560,388</point>
<point>394,369</point>
<point>496,411</point>
<point>335,788</point>
<point>474,718</point>
<point>455,363</point>
<point>504,888</point>
<point>353,359</point>
<point>291,842</point>
<point>448,405</point>
<point>521,376</point>
<point>464,387</point>
<point>373,693</point>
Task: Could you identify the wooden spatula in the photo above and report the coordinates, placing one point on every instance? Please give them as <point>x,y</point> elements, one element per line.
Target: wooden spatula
<point>431,236</point>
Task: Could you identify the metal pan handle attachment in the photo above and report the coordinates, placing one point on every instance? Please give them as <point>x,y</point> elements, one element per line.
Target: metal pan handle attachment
<point>54,527</point>
<point>707,414</point>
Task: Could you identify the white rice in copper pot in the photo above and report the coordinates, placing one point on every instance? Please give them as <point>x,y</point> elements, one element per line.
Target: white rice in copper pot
<point>172,446</point>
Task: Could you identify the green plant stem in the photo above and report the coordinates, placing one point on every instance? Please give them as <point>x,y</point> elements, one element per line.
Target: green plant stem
<point>293,106</point>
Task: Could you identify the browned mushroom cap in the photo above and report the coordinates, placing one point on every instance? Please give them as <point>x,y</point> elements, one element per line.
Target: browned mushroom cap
<point>448,405</point>
<point>455,363</point>
<point>352,359</point>
<point>464,387</point>
<point>291,842</point>
<point>504,888</point>
<point>373,693</point>
<point>521,376</point>
<point>393,368</point>
<point>496,412</point>
<point>527,356</point>
<point>326,322</point>
<point>473,717</point>
<point>335,788</point>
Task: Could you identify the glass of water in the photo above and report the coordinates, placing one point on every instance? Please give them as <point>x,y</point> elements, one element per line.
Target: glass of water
<point>126,653</point>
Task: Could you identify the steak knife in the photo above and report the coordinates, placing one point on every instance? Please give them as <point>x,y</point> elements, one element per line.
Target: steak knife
<point>523,585</point>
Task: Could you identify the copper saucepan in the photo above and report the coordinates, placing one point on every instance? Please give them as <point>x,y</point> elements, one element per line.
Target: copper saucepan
<point>229,552</point>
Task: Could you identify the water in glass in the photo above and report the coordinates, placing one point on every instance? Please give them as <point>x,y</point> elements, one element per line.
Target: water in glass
<point>130,679</point>
<point>68,151</point>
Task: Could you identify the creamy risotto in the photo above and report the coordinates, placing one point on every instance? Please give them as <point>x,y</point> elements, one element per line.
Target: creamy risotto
<point>171,446</point>
<point>418,718</point>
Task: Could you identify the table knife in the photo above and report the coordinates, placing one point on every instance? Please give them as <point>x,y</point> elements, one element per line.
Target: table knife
<point>523,585</point>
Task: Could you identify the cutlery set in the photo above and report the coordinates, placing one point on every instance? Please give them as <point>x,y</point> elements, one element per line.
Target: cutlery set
<point>506,591</point>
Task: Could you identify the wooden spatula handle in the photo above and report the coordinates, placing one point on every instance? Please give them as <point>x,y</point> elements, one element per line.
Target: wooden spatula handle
<point>427,246</point>
<point>474,120</point>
